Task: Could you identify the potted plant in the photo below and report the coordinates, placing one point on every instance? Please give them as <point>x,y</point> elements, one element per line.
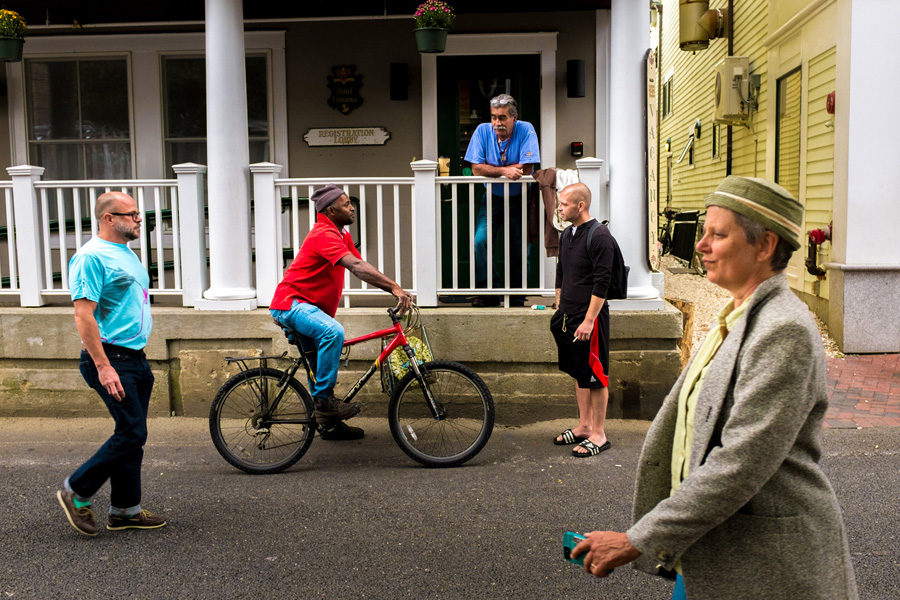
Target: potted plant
<point>433,20</point>
<point>12,35</point>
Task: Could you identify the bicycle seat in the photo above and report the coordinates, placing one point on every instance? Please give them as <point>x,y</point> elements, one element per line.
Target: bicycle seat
<point>292,336</point>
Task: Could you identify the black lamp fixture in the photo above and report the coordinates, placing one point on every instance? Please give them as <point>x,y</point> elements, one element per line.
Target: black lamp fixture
<point>575,78</point>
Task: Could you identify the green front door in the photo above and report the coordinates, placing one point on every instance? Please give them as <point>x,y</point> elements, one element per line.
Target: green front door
<point>465,86</point>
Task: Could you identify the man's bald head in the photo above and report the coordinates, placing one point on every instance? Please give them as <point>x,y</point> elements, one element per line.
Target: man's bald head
<point>118,218</point>
<point>574,202</point>
<point>578,192</point>
<point>109,202</point>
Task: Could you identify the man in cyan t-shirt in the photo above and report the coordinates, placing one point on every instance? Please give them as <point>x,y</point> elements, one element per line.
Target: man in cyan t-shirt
<point>505,147</point>
<point>109,288</point>
<point>307,299</point>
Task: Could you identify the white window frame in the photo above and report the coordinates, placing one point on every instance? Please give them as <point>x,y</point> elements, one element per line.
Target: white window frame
<point>22,125</point>
<point>145,54</point>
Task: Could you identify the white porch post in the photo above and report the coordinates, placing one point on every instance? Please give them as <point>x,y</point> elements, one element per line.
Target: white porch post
<point>590,173</point>
<point>864,275</point>
<point>267,226</point>
<point>193,231</point>
<point>627,165</point>
<point>230,268</point>
<point>426,237</point>
<point>28,234</point>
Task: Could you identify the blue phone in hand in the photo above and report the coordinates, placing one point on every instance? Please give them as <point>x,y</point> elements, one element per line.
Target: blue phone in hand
<point>570,540</point>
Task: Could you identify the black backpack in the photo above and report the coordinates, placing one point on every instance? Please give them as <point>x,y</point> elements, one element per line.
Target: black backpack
<point>618,282</point>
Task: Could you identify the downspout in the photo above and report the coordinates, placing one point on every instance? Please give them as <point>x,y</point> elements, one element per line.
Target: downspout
<point>730,53</point>
<point>659,71</point>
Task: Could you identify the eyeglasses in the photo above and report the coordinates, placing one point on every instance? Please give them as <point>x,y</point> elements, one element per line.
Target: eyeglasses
<point>134,215</point>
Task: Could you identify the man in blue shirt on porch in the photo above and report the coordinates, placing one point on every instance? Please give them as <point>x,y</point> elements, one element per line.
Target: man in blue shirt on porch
<point>505,147</point>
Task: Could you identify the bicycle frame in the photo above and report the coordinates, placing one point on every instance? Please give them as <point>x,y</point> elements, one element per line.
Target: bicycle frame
<point>399,341</point>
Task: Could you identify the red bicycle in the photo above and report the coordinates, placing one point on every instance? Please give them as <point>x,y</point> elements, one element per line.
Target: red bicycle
<point>440,413</point>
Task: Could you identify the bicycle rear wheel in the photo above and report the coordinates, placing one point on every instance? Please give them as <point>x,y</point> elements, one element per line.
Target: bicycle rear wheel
<point>251,435</point>
<point>465,423</point>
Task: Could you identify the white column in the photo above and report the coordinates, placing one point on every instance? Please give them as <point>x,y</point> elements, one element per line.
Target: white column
<point>627,165</point>
<point>191,202</point>
<point>28,234</point>
<point>230,267</point>
<point>267,229</point>
<point>426,237</point>
<point>864,275</point>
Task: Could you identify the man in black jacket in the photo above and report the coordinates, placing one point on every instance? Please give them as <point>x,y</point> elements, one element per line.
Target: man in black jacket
<point>581,323</point>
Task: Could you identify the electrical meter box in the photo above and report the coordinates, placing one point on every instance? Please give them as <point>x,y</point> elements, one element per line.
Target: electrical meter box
<point>732,91</point>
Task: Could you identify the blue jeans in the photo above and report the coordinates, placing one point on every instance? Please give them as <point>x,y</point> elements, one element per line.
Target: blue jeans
<point>497,250</point>
<point>317,332</point>
<point>119,459</point>
<point>679,593</point>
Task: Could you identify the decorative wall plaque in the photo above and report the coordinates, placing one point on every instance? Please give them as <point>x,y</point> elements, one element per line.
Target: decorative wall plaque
<point>347,136</point>
<point>344,85</point>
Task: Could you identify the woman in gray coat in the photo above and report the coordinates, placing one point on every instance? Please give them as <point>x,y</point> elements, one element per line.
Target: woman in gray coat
<point>729,492</point>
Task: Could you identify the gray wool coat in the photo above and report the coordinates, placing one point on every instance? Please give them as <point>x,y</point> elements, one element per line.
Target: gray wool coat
<point>756,518</point>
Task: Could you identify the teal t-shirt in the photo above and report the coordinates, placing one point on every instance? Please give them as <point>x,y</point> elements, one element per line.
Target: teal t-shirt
<point>111,275</point>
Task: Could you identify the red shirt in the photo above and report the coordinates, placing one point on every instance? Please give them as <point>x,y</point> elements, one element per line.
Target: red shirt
<point>315,277</point>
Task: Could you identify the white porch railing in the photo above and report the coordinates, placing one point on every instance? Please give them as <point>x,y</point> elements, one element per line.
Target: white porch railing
<point>67,221</point>
<point>417,230</point>
<point>46,222</point>
<point>9,278</point>
<point>462,196</point>
<point>384,228</point>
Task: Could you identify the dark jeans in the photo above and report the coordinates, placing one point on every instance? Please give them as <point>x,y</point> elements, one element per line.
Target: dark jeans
<point>119,459</point>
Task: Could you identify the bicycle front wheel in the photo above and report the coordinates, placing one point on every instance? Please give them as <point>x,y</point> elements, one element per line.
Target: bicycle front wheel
<point>463,424</point>
<point>254,428</point>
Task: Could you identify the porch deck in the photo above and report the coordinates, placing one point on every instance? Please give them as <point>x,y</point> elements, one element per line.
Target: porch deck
<point>512,350</point>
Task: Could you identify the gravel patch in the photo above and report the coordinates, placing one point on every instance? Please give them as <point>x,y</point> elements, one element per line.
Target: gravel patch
<point>708,299</point>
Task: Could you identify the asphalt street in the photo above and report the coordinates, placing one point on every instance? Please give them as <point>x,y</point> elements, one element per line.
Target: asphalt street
<point>360,519</point>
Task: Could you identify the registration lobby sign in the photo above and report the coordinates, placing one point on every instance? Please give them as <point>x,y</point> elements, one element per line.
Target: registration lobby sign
<point>347,136</point>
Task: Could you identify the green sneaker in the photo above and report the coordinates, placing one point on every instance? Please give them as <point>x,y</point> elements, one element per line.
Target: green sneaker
<point>143,520</point>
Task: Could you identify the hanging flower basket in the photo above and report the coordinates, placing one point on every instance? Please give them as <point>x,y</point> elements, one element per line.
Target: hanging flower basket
<point>11,49</point>
<point>12,35</point>
<point>433,20</point>
<point>431,39</point>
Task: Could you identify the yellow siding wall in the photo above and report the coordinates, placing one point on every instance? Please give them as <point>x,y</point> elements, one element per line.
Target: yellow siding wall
<point>819,158</point>
<point>693,99</point>
<point>808,44</point>
<point>750,31</point>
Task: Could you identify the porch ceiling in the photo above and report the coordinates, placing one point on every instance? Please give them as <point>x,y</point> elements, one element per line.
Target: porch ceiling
<point>57,13</point>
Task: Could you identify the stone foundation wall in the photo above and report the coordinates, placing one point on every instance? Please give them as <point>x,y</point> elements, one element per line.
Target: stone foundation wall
<point>511,349</point>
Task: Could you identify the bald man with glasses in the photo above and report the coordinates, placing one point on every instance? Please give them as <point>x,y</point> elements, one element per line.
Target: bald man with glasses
<point>110,291</point>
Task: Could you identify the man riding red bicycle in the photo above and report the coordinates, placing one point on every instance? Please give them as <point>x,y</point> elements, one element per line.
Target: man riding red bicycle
<point>307,299</point>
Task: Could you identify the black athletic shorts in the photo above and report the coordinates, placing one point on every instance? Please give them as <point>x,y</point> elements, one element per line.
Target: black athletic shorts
<point>587,362</point>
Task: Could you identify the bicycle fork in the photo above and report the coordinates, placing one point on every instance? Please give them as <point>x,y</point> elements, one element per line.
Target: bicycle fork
<point>437,411</point>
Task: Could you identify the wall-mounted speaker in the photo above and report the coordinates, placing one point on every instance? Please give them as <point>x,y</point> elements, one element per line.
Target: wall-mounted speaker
<point>575,78</point>
<point>399,82</point>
